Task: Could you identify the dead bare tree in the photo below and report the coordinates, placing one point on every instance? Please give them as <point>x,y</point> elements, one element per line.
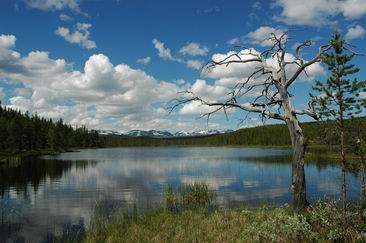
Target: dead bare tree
<point>270,83</point>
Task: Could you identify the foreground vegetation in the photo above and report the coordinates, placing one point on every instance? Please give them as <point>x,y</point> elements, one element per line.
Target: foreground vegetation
<point>189,216</point>
<point>280,224</point>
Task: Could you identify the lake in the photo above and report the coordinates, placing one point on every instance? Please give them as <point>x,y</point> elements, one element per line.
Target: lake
<point>51,195</point>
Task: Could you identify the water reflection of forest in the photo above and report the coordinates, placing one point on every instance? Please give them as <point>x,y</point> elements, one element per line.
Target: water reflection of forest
<point>18,175</point>
<point>69,232</point>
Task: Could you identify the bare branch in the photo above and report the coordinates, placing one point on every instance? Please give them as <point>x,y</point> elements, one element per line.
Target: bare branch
<point>322,49</point>
<point>354,52</point>
<point>265,104</point>
<point>307,112</point>
<point>249,108</point>
<point>236,61</point>
<point>306,43</point>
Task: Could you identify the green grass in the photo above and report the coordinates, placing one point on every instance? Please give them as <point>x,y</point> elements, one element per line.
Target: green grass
<point>323,223</point>
<point>190,217</point>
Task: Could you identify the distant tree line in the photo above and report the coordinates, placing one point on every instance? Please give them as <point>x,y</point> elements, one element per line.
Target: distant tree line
<point>318,133</point>
<point>23,132</point>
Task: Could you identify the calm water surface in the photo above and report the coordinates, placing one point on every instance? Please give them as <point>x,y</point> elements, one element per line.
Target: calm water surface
<point>43,197</point>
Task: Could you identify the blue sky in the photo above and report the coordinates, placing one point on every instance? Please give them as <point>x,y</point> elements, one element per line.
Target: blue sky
<point>114,64</point>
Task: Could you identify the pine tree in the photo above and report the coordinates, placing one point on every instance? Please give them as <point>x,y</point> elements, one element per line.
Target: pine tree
<point>339,95</point>
<point>23,132</point>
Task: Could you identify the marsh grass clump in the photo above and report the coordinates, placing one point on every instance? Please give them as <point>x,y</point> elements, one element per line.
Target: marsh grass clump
<point>192,196</point>
<point>197,195</point>
<point>171,199</point>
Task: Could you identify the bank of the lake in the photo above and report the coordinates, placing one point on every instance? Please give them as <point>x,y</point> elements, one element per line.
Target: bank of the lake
<point>190,214</point>
<point>319,151</point>
<point>8,157</point>
<point>322,223</point>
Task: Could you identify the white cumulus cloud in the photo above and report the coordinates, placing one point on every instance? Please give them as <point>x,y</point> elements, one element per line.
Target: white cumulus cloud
<point>195,64</point>
<point>234,41</point>
<point>7,41</point>
<point>195,108</point>
<point>261,35</point>
<point>355,32</point>
<point>2,94</point>
<point>65,17</point>
<point>236,72</point>
<point>80,36</point>
<point>145,60</point>
<point>102,95</point>
<point>164,52</point>
<point>209,92</point>
<point>318,12</point>
<point>46,5</point>
<point>194,49</point>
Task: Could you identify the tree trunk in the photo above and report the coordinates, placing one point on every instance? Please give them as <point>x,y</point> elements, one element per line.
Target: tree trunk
<point>344,192</point>
<point>363,188</point>
<point>298,185</point>
<point>344,186</point>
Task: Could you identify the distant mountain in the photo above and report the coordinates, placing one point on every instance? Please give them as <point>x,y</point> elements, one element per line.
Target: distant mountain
<point>108,132</point>
<point>182,134</point>
<point>150,133</point>
<point>201,133</point>
<point>164,134</point>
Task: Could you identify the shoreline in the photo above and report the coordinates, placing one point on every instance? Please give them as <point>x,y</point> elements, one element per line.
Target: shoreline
<point>315,152</point>
<point>6,156</point>
<point>320,151</point>
<point>321,223</point>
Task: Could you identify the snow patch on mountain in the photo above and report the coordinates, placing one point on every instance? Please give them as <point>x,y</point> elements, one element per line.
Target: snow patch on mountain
<point>164,134</point>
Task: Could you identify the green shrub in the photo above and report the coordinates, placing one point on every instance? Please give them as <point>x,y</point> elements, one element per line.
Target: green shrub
<point>277,225</point>
<point>326,219</point>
